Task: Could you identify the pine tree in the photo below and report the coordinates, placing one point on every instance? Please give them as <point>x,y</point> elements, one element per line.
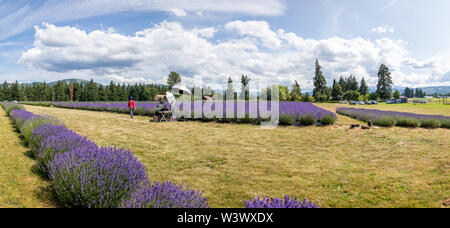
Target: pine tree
<point>384,86</point>
<point>363,88</point>
<point>296,93</point>
<point>14,91</point>
<point>343,84</point>
<point>173,79</point>
<point>6,92</point>
<point>319,82</point>
<point>245,87</point>
<point>407,92</point>
<point>22,95</point>
<point>336,91</point>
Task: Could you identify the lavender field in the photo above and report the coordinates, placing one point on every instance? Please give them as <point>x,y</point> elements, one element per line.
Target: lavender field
<point>251,110</point>
<point>391,118</point>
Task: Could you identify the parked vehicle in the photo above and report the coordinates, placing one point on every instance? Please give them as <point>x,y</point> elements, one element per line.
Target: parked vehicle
<point>352,102</point>
<point>374,102</point>
<point>343,102</point>
<point>369,102</point>
<point>361,103</point>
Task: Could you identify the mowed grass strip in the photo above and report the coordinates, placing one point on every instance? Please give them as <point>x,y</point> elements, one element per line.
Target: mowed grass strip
<point>333,166</point>
<point>20,187</point>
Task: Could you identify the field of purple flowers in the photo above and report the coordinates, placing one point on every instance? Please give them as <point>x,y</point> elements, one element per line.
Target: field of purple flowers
<point>293,110</point>
<point>391,118</point>
<point>84,175</point>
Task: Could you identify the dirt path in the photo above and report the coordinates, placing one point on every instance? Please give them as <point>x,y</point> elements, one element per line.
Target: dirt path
<point>19,186</point>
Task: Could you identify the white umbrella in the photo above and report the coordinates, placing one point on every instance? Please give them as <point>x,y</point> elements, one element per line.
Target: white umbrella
<point>181,89</point>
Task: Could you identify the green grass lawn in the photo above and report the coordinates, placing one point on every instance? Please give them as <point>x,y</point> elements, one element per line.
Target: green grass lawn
<point>332,166</point>
<point>19,186</point>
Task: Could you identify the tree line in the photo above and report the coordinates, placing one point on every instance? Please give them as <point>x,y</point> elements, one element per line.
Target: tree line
<point>346,88</point>
<point>91,91</point>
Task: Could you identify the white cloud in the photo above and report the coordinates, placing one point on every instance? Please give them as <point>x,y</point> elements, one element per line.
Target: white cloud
<point>263,54</point>
<point>258,29</point>
<point>178,12</point>
<point>70,10</point>
<point>383,29</point>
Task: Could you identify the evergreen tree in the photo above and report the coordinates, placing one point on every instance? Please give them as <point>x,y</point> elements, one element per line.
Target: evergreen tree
<point>352,83</point>
<point>319,82</point>
<point>102,96</point>
<point>15,94</point>
<point>22,96</point>
<point>6,91</point>
<point>384,86</point>
<point>336,91</point>
<point>363,88</point>
<point>407,92</point>
<point>113,92</point>
<point>343,83</point>
<point>296,93</point>
<point>173,79</point>
<point>245,87</point>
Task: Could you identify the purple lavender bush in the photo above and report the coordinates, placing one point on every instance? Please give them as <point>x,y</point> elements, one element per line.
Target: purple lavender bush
<point>93,177</point>
<point>41,133</point>
<point>391,118</point>
<point>287,202</point>
<point>165,195</point>
<point>34,122</point>
<point>64,141</point>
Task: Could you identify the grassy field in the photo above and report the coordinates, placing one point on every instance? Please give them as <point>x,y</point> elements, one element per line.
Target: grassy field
<point>429,109</point>
<point>333,166</point>
<point>19,186</point>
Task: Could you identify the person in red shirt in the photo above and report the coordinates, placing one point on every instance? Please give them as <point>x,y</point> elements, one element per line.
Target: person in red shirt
<point>131,106</point>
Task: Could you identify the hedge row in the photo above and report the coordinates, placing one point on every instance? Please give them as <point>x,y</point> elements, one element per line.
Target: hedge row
<point>400,119</point>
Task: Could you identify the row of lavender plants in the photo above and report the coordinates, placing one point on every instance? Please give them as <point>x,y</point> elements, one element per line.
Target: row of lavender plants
<point>82,174</point>
<point>291,113</point>
<point>391,118</point>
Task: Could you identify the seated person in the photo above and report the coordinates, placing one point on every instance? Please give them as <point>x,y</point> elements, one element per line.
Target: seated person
<point>162,107</point>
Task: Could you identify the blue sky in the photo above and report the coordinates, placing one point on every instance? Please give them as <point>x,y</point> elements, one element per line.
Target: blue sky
<point>269,40</point>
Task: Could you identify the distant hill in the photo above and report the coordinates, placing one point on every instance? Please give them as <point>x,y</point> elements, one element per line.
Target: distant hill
<point>68,81</point>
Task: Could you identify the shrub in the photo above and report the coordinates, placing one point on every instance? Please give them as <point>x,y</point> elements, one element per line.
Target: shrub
<point>384,121</point>
<point>408,122</point>
<point>431,123</point>
<point>19,117</point>
<point>58,144</point>
<point>287,119</point>
<point>287,202</point>
<point>95,177</point>
<point>364,117</point>
<point>14,107</point>
<point>36,121</point>
<point>445,123</point>
<point>308,119</point>
<point>41,133</point>
<point>140,111</point>
<point>166,195</point>
<point>328,119</point>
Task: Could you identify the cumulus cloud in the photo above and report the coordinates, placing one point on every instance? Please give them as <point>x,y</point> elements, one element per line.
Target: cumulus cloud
<point>258,29</point>
<point>383,29</point>
<point>260,52</point>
